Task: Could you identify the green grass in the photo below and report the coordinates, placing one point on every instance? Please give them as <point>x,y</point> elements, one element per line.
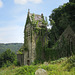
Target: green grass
<point>62,66</point>
<point>11,70</point>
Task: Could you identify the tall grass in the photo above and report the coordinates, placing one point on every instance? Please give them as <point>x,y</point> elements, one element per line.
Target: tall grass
<point>62,66</point>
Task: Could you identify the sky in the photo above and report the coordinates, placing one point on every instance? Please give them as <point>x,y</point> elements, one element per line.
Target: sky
<point>13,15</point>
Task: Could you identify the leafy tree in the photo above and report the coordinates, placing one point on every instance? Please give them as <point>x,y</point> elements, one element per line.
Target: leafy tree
<point>72,1</point>
<point>60,18</point>
<point>7,56</point>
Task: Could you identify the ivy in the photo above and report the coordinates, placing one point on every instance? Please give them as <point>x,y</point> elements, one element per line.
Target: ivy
<point>33,20</point>
<point>28,20</point>
<point>44,21</point>
<point>35,23</point>
<point>39,50</point>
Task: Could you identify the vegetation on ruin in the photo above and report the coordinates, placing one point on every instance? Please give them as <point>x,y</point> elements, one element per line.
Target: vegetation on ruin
<point>36,30</point>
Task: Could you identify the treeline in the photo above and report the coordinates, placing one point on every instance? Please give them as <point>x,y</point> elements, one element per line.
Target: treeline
<point>13,46</point>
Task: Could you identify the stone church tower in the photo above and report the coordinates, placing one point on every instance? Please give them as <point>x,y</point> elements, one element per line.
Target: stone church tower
<point>35,27</point>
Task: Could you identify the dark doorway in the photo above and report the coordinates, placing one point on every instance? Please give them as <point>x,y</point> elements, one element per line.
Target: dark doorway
<point>28,62</point>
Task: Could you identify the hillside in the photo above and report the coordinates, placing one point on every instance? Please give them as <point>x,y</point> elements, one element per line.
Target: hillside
<point>13,46</point>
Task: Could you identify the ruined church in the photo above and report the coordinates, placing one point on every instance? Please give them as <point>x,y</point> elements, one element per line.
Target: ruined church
<point>68,39</point>
<point>35,28</point>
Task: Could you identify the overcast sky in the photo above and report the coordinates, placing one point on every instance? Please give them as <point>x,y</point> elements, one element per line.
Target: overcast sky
<point>13,16</point>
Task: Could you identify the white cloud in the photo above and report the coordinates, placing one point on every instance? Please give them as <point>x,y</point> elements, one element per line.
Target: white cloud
<point>1,3</point>
<point>36,1</point>
<point>22,2</point>
<point>11,34</point>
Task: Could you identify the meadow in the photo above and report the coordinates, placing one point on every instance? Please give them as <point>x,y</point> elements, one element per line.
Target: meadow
<point>62,66</point>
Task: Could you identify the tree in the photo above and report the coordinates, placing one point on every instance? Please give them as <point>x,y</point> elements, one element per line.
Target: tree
<point>7,56</point>
<point>72,1</point>
<point>60,18</point>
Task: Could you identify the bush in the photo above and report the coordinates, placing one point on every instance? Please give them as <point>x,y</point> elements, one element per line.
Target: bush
<point>7,58</point>
<point>26,70</point>
<point>7,64</point>
<point>70,63</point>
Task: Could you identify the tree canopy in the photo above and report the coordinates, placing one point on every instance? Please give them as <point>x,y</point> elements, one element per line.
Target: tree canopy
<point>60,18</point>
<point>7,57</point>
<point>72,1</point>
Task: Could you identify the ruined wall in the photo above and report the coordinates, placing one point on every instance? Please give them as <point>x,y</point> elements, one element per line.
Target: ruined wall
<point>33,55</point>
<point>28,44</point>
<point>68,39</point>
<point>20,58</point>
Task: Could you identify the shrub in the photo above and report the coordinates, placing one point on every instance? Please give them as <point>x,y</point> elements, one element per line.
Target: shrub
<point>7,58</point>
<point>70,63</point>
<point>26,70</point>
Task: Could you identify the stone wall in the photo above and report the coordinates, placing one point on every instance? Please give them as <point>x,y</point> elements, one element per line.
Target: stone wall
<point>20,58</point>
<point>69,36</point>
<point>33,46</point>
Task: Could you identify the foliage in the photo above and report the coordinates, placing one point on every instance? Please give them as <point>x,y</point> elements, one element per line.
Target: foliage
<point>70,63</point>
<point>27,70</point>
<point>60,60</point>
<point>44,21</point>
<point>20,51</point>
<point>27,21</point>
<point>40,43</point>
<point>11,70</point>
<point>60,18</point>
<point>59,49</point>
<point>39,51</point>
<point>7,58</point>
<point>57,67</point>
<point>72,1</point>
<point>53,35</point>
<point>33,20</point>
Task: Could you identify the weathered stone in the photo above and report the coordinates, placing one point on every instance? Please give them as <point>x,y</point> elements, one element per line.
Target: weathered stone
<point>69,36</point>
<point>45,63</point>
<point>41,72</point>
